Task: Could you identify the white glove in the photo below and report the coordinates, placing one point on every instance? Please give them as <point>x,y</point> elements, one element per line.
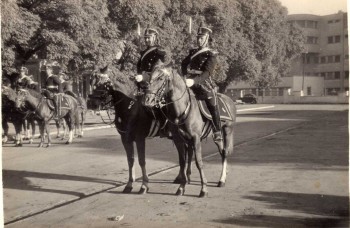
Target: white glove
<point>139,77</point>
<point>189,82</point>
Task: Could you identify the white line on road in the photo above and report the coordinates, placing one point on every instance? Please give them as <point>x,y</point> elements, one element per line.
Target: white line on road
<point>253,109</point>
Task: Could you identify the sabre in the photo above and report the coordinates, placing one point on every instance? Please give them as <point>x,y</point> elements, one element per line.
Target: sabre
<point>190,26</point>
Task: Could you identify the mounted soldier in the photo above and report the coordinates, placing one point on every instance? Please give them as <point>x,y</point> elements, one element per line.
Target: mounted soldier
<point>153,56</point>
<point>23,81</point>
<point>67,88</point>
<point>53,87</point>
<point>199,71</point>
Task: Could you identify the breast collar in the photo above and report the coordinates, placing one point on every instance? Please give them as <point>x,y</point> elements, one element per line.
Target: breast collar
<point>200,51</point>
<point>148,51</point>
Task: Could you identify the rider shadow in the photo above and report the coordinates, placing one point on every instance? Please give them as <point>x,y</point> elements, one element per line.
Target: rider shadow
<point>13,179</point>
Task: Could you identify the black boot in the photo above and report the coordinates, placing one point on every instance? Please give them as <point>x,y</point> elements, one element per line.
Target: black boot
<point>217,134</point>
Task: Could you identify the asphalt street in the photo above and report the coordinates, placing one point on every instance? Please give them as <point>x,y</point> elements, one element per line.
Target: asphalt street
<point>289,168</point>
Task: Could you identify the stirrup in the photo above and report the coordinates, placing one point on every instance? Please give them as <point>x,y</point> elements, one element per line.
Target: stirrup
<point>217,136</point>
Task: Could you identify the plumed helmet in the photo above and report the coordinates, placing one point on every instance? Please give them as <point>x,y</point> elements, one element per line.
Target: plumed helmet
<point>150,31</point>
<point>204,31</point>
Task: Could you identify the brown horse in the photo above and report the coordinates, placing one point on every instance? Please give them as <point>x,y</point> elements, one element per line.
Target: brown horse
<point>132,120</point>
<point>34,101</point>
<point>167,90</point>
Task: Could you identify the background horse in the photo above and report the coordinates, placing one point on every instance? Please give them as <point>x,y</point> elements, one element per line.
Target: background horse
<point>11,114</point>
<point>167,90</point>
<point>34,101</point>
<point>132,121</point>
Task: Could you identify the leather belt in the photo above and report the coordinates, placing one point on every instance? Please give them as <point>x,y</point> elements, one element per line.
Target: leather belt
<point>194,71</point>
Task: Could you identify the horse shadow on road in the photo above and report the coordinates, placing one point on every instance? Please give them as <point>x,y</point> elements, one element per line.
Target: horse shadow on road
<point>324,211</point>
<point>13,179</point>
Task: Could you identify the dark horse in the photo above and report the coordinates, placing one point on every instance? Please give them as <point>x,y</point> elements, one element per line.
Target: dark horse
<point>132,121</point>
<point>37,103</point>
<point>167,90</point>
<point>11,114</point>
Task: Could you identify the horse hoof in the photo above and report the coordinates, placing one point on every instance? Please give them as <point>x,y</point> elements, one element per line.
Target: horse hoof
<point>31,141</point>
<point>203,194</point>
<point>127,190</point>
<point>188,180</point>
<point>40,145</point>
<point>48,145</point>
<point>180,192</point>
<point>26,138</point>
<point>221,184</point>
<point>80,136</point>
<point>19,145</point>
<point>68,142</point>
<point>143,190</point>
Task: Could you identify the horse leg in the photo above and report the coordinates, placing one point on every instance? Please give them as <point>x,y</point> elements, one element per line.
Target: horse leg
<point>129,149</point>
<point>5,127</point>
<point>47,129</point>
<point>58,126</point>
<point>228,149</point>
<point>182,152</point>
<point>199,163</point>
<point>189,164</point>
<point>32,123</point>
<point>65,129</point>
<point>41,125</point>
<point>26,129</point>
<point>140,145</point>
<point>70,123</point>
<point>82,122</point>
<point>18,128</point>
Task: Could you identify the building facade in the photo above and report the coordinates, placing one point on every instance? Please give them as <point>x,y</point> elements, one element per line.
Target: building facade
<point>323,70</point>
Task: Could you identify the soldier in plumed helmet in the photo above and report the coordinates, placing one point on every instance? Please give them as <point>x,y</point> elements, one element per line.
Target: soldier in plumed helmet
<point>53,86</point>
<point>199,71</point>
<point>150,58</point>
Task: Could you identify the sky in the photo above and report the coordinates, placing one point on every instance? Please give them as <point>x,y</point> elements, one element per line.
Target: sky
<point>317,7</point>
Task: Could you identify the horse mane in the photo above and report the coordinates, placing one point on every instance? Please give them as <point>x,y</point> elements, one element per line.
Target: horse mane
<point>35,93</point>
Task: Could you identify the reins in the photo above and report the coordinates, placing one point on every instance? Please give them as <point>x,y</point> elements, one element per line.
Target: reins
<point>184,115</point>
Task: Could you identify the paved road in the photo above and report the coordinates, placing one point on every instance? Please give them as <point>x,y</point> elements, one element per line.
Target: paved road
<point>290,167</point>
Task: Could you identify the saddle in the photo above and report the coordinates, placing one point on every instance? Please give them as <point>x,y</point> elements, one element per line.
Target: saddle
<point>223,109</point>
<point>62,102</point>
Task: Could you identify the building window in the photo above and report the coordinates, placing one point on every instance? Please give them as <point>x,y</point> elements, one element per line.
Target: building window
<point>311,40</point>
<point>337,58</point>
<point>332,91</point>
<point>280,91</point>
<point>337,39</point>
<point>330,59</point>
<point>315,59</point>
<point>323,59</point>
<point>330,21</point>
<point>346,74</point>
<point>301,23</point>
<point>346,36</point>
<point>330,39</point>
<point>329,76</point>
<point>309,90</point>
<point>337,75</point>
<point>323,74</point>
<point>346,56</point>
<point>337,20</point>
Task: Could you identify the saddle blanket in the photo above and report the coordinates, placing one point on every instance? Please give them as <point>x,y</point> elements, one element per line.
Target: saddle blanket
<point>225,113</point>
<point>62,102</point>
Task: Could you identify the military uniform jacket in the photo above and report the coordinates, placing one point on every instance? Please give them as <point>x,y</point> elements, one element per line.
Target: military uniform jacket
<point>199,65</point>
<point>53,84</point>
<point>150,58</point>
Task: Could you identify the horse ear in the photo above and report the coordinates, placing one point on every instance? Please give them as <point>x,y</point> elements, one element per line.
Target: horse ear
<point>104,70</point>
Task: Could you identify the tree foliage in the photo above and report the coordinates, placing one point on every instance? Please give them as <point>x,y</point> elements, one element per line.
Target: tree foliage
<point>254,41</point>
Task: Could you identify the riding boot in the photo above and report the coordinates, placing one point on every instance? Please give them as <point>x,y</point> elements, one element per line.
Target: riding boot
<point>217,135</point>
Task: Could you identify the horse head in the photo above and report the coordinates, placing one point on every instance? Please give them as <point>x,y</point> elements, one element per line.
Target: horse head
<point>8,93</point>
<point>21,98</point>
<point>158,87</point>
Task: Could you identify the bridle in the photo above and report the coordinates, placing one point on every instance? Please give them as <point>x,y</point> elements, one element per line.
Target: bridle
<point>160,97</point>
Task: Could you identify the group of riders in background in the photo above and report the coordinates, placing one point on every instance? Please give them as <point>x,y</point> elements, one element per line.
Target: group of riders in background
<point>198,70</point>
